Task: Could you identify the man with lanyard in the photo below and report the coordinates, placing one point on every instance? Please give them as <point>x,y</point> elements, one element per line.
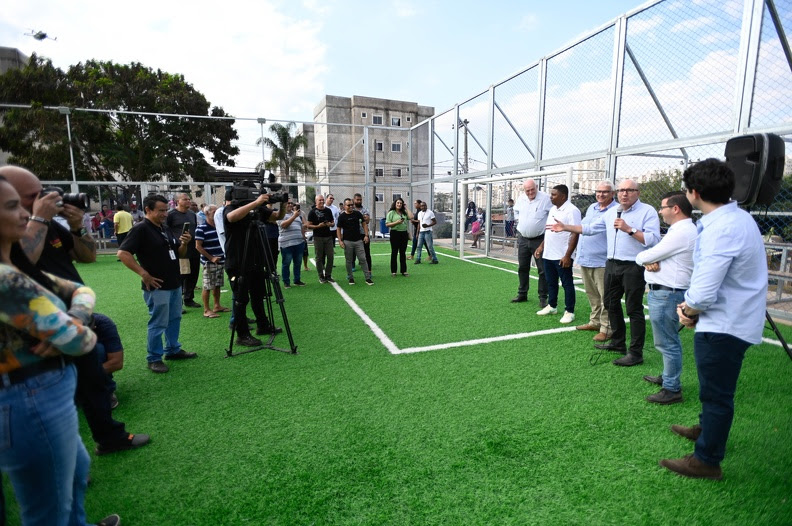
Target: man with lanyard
<point>176,220</point>
<point>669,265</point>
<point>630,228</point>
<point>531,212</point>
<point>52,248</point>
<point>158,252</point>
<point>592,253</point>
<point>726,304</point>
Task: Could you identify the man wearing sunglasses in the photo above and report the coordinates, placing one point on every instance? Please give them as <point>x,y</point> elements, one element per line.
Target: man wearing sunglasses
<point>631,227</point>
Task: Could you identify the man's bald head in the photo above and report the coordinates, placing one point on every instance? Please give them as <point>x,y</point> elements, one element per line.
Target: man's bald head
<point>24,182</point>
<point>529,186</point>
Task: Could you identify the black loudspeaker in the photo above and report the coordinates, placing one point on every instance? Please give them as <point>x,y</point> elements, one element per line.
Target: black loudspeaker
<point>757,161</point>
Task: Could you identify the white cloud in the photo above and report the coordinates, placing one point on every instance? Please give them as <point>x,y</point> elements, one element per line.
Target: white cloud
<point>692,24</point>
<point>404,9</point>
<point>528,22</point>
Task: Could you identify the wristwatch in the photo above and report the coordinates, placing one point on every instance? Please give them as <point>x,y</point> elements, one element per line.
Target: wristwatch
<point>632,231</point>
<point>79,232</point>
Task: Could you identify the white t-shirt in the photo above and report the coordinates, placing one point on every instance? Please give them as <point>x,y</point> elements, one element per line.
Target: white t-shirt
<point>220,227</point>
<point>557,243</point>
<point>336,211</point>
<point>426,217</point>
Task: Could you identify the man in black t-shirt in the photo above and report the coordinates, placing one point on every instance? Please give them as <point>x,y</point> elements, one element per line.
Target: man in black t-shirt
<point>158,252</point>
<point>320,220</point>
<point>351,239</point>
<point>247,264</point>
<point>175,222</point>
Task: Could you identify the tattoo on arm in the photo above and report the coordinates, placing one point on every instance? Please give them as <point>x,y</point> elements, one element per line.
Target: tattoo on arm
<point>33,244</point>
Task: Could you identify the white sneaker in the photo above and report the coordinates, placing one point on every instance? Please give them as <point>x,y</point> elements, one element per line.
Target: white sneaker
<point>568,317</point>
<point>547,310</point>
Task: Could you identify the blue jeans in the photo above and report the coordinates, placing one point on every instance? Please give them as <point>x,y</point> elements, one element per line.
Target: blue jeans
<point>553,271</point>
<point>425,238</point>
<point>165,308</point>
<point>292,254</point>
<point>41,450</point>
<point>665,325</point>
<point>719,359</point>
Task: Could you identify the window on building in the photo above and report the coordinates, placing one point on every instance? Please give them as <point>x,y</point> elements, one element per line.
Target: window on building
<point>397,196</point>
<point>396,147</point>
<point>396,172</point>
<point>395,121</point>
<point>376,120</point>
<point>378,146</point>
<point>409,119</point>
<point>363,115</point>
<point>378,197</point>
<point>379,172</point>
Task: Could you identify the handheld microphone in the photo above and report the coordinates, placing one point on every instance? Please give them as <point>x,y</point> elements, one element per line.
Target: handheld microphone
<point>619,210</point>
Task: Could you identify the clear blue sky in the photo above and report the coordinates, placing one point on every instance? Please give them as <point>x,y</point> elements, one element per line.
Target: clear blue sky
<point>276,59</point>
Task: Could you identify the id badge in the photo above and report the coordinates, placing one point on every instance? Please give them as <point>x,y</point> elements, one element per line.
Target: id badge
<point>172,254</point>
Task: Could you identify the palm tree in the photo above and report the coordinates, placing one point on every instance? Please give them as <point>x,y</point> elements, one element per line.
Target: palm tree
<point>283,157</point>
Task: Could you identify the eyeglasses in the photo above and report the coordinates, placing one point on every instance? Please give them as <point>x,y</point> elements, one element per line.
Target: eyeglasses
<point>626,190</point>
<point>666,206</point>
<point>603,191</point>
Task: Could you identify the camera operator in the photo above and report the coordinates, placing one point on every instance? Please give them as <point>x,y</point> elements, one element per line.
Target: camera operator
<point>246,263</point>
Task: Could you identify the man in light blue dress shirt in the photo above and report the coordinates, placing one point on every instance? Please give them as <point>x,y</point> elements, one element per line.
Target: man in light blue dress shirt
<point>631,227</point>
<point>531,212</point>
<point>726,304</point>
<point>592,254</point>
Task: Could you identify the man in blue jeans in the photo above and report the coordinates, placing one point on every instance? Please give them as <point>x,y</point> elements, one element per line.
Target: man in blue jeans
<point>669,265</point>
<point>426,220</point>
<point>158,252</point>
<point>726,304</point>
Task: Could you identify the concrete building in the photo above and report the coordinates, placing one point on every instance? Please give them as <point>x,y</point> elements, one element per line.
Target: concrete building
<point>338,143</point>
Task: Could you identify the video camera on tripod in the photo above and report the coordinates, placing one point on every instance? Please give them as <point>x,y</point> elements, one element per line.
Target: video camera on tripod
<point>248,191</point>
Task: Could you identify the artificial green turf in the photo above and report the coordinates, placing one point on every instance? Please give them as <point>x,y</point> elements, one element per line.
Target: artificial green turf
<point>512,432</point>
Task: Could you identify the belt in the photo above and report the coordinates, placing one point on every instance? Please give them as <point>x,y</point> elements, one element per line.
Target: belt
<point>530,238</point>
<point>622,262</point>
<point>18,376</point>
<point>654,286</point>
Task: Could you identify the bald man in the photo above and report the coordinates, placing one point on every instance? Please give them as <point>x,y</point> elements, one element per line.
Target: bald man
<point>531,210</point>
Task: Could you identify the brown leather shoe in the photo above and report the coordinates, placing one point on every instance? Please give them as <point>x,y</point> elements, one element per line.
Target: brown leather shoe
<point>601,337</point>
<point>658,380</point>
<point>690,466</point>
<point>587,327</point>
<point>691,433</point>
<point>665,397</point>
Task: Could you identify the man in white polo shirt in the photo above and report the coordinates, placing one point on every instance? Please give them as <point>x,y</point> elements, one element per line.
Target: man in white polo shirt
<point>531,212</point>
<point>557,252</point>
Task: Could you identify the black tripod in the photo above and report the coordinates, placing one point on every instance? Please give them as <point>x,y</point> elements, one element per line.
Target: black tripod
<point>271,285</point>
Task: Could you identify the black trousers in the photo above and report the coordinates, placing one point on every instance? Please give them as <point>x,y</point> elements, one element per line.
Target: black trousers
<point>250,287</point>
<point>398,242</point>
<point>526,248</point>
<point>625,278</point>
<point>190,280</point>
<point>93,395</point>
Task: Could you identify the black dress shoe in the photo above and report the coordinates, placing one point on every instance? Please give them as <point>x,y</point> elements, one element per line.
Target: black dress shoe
<point>519,299</point>
<point>628,360</point>
<point>610,347</point>
<point>268,330</point>
<point>658,380</point>
<point>248,341</point>
<point>192,304</point>
<point>131,442</point>
<point>181,355</point>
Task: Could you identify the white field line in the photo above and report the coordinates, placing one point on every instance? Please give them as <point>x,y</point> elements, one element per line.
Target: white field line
<point>379,333</point>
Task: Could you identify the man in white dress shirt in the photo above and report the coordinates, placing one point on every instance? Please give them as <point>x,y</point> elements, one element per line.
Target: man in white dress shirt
<point>531,212</point>
<point>669,265</point>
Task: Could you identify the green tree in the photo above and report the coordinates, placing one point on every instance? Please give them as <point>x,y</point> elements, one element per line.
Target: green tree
<point>285,158</point>
<point>110,145</point>
<point>659,183</point>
